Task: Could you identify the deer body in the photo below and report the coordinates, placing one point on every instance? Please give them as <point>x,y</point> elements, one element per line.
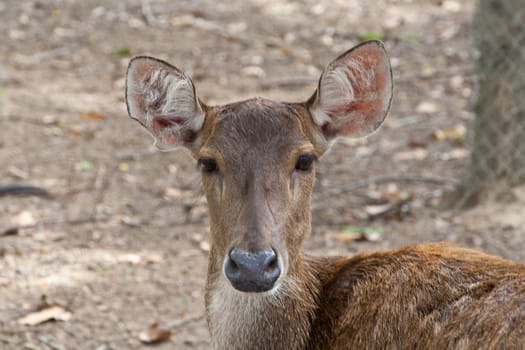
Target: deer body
<point>258,161</point>
<point>421,297</point>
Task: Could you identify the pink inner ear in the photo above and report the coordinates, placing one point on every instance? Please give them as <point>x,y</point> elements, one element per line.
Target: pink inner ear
<point>368,94</point>
<point>159,123</point>
<point>369,76</point>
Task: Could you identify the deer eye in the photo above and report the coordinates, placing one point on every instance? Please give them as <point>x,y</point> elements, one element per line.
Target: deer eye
<point>208,165</point>
<point>304,162</point>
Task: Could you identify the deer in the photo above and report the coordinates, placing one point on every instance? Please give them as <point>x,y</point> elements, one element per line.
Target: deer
<point>257,160</point>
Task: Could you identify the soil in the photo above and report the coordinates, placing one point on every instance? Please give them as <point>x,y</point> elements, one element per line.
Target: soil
<point>122,242</point>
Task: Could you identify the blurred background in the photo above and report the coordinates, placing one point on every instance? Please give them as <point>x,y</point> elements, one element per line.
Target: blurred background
<point>107,236</point>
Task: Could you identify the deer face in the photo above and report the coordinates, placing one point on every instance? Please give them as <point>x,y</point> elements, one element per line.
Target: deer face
<point>258,182</point>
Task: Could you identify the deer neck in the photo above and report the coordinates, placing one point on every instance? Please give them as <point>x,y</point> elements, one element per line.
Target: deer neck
<point>278,319</point>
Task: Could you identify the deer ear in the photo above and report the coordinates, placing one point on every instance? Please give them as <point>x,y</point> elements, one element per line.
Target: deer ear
<point>163,99</point>
<point>354,93</point>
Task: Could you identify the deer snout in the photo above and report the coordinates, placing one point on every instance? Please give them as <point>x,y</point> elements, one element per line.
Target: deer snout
<point>252,271</point>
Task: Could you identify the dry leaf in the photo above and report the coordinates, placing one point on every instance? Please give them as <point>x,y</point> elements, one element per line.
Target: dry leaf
<point>253,71</point>
<point>414,154</point>
<point>393,193</point>
<point>355,233</point>
<point>17,173</point>
<point>136,259</point>
<point>197,237</point>
<point>455,154</point>
<point>154,334</point>
<point>131,258</point>
<point>451,6</point>
<point>176,193</point>
<point>378,210</point>
<point>130,221</point>
<point>25,218</point>
<point>92,116</point>
<point>454,133</point>
<point>47,313</point>
<point>204,246</point>
<point>415,143</point>
<point>50,120</point>
<point>4,282</point>
<point>427,107</point>
<point>344,237</point>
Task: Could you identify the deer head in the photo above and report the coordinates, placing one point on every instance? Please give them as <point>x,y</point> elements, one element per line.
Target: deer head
<point>258,157</point>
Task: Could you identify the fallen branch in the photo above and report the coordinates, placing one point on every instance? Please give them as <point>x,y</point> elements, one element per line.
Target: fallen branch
<point>218,29</point>
<point>24,190</point>
<point>13,230</point>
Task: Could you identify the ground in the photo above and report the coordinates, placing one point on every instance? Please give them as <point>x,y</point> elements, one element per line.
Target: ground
<point>122,243</point>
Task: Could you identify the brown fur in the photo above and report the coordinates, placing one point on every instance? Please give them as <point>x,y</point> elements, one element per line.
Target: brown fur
<point>421,297</point>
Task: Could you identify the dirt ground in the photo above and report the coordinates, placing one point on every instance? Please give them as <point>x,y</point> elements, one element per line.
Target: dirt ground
<point>122,242</point>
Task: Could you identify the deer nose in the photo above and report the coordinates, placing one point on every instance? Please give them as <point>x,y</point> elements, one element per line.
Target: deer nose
<point>252,271</point>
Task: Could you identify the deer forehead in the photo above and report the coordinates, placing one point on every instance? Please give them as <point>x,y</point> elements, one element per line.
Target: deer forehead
<point>256,129</point>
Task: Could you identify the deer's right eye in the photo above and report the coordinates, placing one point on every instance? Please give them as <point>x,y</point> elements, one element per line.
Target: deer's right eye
<point>208,165</point>
<point>304,162</point>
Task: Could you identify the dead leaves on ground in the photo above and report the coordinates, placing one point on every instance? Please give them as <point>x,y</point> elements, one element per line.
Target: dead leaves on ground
<point>456,133</point>
<point>92,116</point>
<point>418,151</point>
<point>86,128</point>
<point>389,204</point>
<point>154,334</point>
<point>46,312</point>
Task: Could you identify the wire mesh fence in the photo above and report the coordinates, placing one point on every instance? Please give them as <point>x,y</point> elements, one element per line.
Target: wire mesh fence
<point>497,135</point>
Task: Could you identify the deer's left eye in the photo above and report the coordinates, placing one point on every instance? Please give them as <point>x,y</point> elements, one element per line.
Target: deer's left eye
<point>208,165</point>
<point>304,162</point>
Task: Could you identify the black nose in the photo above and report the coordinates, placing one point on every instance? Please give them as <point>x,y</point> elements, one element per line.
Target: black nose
<point>252,271</point>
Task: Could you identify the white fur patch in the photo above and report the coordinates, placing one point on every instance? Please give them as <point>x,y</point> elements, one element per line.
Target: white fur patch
<point>236,317</point>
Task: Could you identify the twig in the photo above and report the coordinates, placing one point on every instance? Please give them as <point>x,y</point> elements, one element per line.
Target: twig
<point>45,340</point>
<point>99,186</point>
<point>147,13</point>
<point>218,29</point>
<point>433,179</point>
<point>10,231</point>
<point>24,190</point>
<point>78,221</point>
<point>185,321</point>
<point>100,179</point>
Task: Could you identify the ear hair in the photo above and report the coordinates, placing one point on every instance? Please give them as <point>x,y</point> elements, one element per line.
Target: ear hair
<point>354,92</point>
<point>163,99</point>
